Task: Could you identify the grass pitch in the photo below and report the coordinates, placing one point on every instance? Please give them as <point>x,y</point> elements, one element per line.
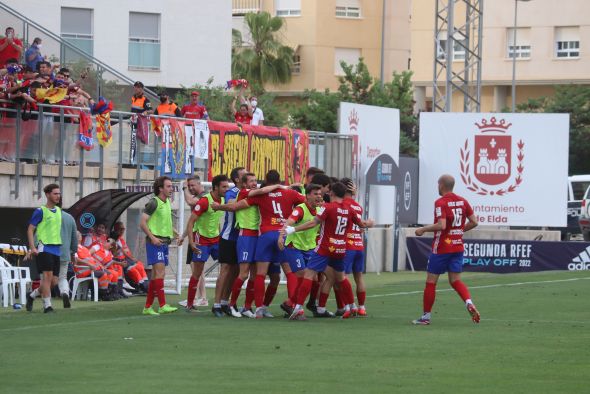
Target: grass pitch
<point>534,337</point>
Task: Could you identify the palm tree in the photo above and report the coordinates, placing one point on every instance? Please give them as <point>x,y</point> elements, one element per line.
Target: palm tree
<point>264,59</point>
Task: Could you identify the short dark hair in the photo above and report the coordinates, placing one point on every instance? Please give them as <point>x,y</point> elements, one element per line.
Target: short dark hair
<point>159,183</point>
<point>312,187</point>
<point>338,189</point>
<point>235,174</point>
<point>246,175</point>
<point>138,84</point>
<point>11,60</point>
<point>117,225</point>
<point>272,177</point>
<point>217,179</point>
<point>113,234</point>
<point>311,171</point>
<point>348,183</point>
<point>64,70</point>
<point>321,179</point>
<point>45,62</point>
<point>51,187</point>
<point>36,40</point>
<point>244,105</point>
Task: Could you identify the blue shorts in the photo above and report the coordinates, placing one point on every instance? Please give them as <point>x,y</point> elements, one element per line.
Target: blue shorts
<point>246,247</point>
<point>318,263</point>
<point>267,249</point>
<point>297,259</point>
<point>441,263</point>
<point>354,261</point>
<point>205,252</point>
<point>156,254</point>
<point>274,268</point>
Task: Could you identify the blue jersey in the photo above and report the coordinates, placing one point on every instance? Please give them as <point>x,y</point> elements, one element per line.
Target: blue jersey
<point>229,232</point>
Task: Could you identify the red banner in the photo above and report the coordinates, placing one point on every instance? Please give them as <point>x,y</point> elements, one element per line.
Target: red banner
<point>259,149</point>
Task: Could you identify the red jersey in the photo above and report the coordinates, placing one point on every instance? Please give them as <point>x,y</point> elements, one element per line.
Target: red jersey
<point>275,208</point>
<point>10,52</point>
<point>200,208</point>
<point>242,195</point>
<point>335,217</point>
<point>193,111</point>
<point>354,234</point>
<point>243,119</point>
<point>455,209</point>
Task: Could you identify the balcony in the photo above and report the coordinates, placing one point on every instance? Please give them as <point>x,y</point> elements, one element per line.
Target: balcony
<point>242,7</point>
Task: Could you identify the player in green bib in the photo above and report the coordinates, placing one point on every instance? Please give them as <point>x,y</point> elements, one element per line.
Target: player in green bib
<point>156,223</point>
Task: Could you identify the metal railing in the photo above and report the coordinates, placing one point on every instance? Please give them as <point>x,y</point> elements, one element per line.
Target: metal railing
<point>241,7</point>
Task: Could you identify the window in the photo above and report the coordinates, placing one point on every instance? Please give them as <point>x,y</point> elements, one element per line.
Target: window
<point>296,67</point>
<point>288,7</point>
<point>458,50</point>
<point>348,9</point>
<point>77,29</point>
<point>144,41</point>
<point>522,49</point>
<point>567,42</point>
<point>348,55</point>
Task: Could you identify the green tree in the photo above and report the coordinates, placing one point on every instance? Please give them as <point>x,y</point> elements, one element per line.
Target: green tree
<point>575,101</point>
<point>263,59</point>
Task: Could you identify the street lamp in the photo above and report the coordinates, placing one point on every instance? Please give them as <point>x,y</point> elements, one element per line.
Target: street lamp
<point>514,55</point>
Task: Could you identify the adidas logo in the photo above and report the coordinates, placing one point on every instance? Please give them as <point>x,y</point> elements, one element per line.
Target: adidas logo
<point>582,262</point>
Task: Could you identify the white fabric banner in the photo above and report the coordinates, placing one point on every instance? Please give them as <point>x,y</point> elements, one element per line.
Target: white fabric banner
<point>512,168</point>
<point>202,139</point>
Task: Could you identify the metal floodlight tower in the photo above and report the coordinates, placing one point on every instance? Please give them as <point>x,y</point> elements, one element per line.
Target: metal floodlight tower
<point>458,39</point>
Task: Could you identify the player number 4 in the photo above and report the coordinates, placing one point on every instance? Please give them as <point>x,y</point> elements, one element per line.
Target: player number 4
<point>457,217</point>
<point>341,225</point>
<point>277,208</point>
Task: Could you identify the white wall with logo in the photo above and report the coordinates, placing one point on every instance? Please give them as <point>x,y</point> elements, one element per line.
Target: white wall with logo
<point>512,168</point>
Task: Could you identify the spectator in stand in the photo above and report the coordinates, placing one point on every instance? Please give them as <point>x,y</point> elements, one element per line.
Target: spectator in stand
<point>10,47</point>
<point>45,73</point>
<point>139,103</point>
<point>194,110</point>
<point>243,116</point>
<point>255,112</point>
<point>33,54</point>
<point>66,74</point>
<point>167,107</point>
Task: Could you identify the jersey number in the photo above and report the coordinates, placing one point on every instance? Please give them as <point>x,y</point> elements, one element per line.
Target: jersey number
<point>341,225</point>
<point>457,217</point>
<point>277,208</point>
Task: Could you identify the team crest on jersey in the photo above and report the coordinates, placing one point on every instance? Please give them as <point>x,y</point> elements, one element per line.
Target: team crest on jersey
<point>492,162</point>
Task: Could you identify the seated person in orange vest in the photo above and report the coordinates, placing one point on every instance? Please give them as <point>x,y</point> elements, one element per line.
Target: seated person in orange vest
<point>167,107</point>
<point>133,268</point>
<point>103,253</point>
<point>96,236</point>
<point>85,264</point>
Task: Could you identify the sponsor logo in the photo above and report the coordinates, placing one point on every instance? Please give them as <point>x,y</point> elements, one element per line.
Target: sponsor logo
<point>407,191</point>
<point>581,262</point>
<point>384,171</point>
<point>353,120</point>
<point>87,220</point>
<point>492,162</point>
<point>373,152</point>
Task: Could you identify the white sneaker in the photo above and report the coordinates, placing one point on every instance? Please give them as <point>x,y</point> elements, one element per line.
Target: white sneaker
<point>247,312</point>
<point>126,293</point>
<point>259,314</point>
<point>234,312</point>
<point>266,313</point>
<point>127,286</point>
<point>201,302</point>
<point>182,303</point>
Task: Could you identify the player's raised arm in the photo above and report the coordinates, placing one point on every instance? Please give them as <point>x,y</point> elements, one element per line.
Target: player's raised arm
<point>232,207</point>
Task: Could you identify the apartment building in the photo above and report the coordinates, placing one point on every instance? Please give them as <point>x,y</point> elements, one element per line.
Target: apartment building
<point>551,49</point>
<point>324,32</point>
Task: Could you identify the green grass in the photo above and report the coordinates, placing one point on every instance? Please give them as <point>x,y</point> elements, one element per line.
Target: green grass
<point>533,338</point>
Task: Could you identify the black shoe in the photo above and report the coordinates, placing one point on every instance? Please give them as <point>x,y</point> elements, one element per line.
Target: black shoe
<point>339,312</point>
<point>30,301</point>
<point>217,312</point>
<point>326,313</point>
<point>311,306</point>
<point>66,299</point>
<point>48,310</point>
<point>226,309</point>
<point>288,309</point>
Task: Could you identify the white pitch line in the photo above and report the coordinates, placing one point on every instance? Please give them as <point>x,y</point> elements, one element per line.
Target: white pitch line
<point>531,320</point>
<point>480,287</point>
<point>72,323</point>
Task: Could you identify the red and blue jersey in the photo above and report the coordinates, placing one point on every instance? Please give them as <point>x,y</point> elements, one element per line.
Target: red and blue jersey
<point>455,210</point>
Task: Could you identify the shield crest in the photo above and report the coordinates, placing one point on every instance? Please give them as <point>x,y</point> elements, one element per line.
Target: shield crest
<point>493,158</point>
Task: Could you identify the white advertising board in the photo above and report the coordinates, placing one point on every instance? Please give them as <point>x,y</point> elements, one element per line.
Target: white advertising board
<point>512,168</point>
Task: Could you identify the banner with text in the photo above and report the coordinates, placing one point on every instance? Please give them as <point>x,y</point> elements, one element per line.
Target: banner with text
<point>499,256</point>
<point>512,168</point>
<point>178,148</point>
<point>259,149</point>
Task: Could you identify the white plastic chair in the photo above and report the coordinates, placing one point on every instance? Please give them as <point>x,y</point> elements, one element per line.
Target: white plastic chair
<point>12,276</point>
<point>77,281</point>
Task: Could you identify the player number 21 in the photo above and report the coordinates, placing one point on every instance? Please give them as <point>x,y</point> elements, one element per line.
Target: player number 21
<point>277,208</point>
<point>457,217</point>
<point>341,225</point>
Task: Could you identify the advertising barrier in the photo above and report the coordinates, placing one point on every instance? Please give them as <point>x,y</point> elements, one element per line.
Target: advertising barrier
<point>502,257</point>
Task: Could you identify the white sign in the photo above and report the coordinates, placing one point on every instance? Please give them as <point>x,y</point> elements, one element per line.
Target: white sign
<point>512,168</point>
<point>377,142</point>
<point>202,139</point>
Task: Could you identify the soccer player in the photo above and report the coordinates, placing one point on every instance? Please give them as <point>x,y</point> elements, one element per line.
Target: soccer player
<point>204,222</point>
<point>156,223</point>
<point>328,257</point>
<point>46,225</point>
<point>451,212</point>
<point>354,260</point>
<point>275,208</point>
<point>299,246</point>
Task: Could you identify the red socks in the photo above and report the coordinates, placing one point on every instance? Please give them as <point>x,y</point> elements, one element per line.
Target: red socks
<point>291,285</point>
<point>192,291</point>
<point>338,295</point>
<point>270,294</point>
<point>323,299</point>
<point>259,290</point>
<point>461,289</point>
<point>429,296</point>
<point>360,296</point>
<point>159,290</point>
<point>346,292</point>
<point>235,291</point>
<point>149,300</point>
<point>249,294</point>
<point>303,291</point>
